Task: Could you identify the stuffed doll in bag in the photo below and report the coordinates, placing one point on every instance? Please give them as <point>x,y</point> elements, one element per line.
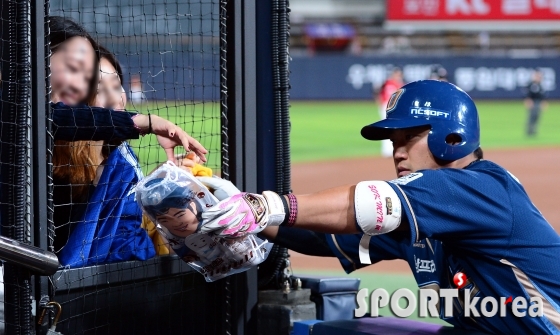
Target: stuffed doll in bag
<point>174,200</point>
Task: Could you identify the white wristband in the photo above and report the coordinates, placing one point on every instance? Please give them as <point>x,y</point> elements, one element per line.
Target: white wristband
<point>276,214</point>
<point>378,208</point>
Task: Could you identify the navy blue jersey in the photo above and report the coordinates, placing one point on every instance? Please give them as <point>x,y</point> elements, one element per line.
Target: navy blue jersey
<point>479,221</point>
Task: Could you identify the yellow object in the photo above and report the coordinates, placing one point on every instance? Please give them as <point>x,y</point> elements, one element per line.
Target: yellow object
<point>191,161</point>
<point>160,244</point>
<point>201,171</point>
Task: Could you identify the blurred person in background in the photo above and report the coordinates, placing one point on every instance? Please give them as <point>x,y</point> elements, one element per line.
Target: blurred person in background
<point>534,102</point>
<point>136,93</point>
<point>438,72</point>
<point>390,86</point>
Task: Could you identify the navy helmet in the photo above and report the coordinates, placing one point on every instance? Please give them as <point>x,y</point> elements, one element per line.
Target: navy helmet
<point>439,104</point>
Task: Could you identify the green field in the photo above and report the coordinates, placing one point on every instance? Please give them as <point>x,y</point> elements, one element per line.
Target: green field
<point>200,120</point>
<point>325,130</point>
<point>331,130</point>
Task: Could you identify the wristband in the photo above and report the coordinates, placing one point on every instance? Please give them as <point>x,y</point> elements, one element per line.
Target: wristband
<point>293,210</point>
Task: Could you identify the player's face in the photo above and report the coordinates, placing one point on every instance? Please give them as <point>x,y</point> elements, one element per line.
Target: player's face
<point>72,68</point>
<point>109,90</point>
<point>410,150</point>
<point>180,222</point>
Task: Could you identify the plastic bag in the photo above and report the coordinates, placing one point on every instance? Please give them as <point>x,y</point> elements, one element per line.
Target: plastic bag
<point>216,257</point>
<point>174,200</point>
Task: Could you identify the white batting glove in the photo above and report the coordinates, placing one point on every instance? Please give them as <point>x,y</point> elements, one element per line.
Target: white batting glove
<point>223,189</point>
<point>242,214</point>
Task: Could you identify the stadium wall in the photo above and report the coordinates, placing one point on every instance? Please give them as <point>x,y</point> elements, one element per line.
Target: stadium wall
<point>344,77</point>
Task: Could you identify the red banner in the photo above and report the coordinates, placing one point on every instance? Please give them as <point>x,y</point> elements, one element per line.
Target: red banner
<point>479,10</point>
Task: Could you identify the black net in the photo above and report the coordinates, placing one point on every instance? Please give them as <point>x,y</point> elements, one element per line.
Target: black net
<point>15,210</point>
<point>158,58</point>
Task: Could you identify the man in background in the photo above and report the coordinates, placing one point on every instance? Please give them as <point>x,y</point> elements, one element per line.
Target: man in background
<point>534,102</point>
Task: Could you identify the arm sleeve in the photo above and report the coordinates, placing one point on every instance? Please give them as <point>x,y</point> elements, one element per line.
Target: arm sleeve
<point>381,247</point>
<point>303,241</point>
<point>82,123</point>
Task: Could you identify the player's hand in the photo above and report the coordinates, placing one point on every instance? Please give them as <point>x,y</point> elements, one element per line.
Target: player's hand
<point>222,189</point>
<point>242,214</point>
<point>170,135</point>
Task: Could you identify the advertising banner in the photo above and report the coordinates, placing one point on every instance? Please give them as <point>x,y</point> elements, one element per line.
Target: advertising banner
<point>343,77</point>
<point>441,10</point>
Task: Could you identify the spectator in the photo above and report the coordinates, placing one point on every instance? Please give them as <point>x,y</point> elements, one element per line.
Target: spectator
<point>136,93</point>
<point>73,83</point>
<point>534,102</point>
<point>74,73</point>
<point>438,72</point>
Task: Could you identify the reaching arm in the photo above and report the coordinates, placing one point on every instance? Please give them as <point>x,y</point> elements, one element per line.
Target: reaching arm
<point>330,211</point>
<point>371,207</point>
<point>83,123</point>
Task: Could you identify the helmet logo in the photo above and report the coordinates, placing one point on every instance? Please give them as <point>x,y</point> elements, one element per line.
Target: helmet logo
<point>429,112</point>
<point>393,100</point>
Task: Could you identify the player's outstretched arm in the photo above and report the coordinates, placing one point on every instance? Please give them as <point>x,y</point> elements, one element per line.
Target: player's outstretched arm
<point>329,211</point>
<point>371,207</point>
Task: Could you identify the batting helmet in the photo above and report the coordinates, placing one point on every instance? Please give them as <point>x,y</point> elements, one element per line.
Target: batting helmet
<point>441,105</point>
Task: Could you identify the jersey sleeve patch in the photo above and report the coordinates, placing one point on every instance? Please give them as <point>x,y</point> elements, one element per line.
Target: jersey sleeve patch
<point>407,179</point>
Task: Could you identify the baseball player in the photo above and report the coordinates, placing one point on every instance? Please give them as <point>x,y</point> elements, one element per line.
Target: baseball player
<point>535,102</point>
<point>448,211</point>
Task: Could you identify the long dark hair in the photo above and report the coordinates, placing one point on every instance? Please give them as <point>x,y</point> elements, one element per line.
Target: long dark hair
<point>62,29</point>
<point>73,162</point>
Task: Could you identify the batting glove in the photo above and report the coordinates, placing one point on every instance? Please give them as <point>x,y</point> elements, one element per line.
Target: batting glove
<point>222,189</point>
<point>242,214</point>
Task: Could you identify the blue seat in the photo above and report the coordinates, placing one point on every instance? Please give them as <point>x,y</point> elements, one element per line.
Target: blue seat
<point>334,297</point>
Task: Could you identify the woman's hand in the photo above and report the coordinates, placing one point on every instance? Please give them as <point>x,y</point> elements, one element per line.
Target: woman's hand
<point>169,135</point>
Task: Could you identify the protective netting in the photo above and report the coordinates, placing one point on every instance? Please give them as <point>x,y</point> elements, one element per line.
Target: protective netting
<point>15,210</point>
<point>157,58</point>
